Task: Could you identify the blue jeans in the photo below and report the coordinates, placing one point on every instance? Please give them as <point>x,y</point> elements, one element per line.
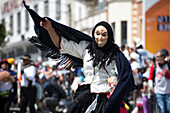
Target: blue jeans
<point>163,103</point>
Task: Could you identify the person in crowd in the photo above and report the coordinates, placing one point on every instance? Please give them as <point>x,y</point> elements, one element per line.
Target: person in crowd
<point>124,49</point>
<point>52,73</point>
<point>160,77</point>
<point>78,77</point>
<point>51,97</point>
<point>53,91</point>
<point>39,66</point>
<point>7,86</point>
<point>145,95</point>
<point>28,82</point>
<point>47,71</point>
<point>39,89</point>
<point>135,65</point>
<point>59,74</point>
<point>138,47</point>
<point>101,59</point>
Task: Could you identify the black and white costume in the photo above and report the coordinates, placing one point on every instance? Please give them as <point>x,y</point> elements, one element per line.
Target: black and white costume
<point>98,64</point>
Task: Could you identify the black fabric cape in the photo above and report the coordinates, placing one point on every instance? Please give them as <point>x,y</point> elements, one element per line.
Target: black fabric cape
<point>126,80</point>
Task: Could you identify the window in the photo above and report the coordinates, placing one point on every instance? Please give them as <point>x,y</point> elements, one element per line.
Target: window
<point>31,49</point>
<point>113,27</point>
<point>46,8</point>
<point>44,54</point>
<point>3,20</point>
<point>26,21</point>
<point>11,25</point>
<point>80,12</point>
<point>11,54</point>
<point>101,4</point>
<point>58,10</point>
<point>3,55</point>
<point>19,51</point>
<point>140,33</point>
<point>36,8</point>
<point>19,23</point>
<point>124,32</point>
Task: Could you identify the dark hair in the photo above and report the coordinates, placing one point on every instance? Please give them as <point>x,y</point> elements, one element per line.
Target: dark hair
<point>165,52</point>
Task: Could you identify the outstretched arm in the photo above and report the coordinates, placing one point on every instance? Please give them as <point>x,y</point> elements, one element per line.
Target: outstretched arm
<point>54,36</point>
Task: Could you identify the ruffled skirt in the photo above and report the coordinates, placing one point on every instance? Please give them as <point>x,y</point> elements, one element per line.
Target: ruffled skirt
<point>86,102</point>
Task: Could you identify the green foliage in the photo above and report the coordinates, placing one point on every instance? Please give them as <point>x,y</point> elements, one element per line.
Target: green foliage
<point>2,33</point>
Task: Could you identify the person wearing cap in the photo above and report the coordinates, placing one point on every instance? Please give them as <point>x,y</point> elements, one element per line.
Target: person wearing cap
<point>7,85</point>
<point>28,81</point>
<point>166,52</point>
<point>135,65</point>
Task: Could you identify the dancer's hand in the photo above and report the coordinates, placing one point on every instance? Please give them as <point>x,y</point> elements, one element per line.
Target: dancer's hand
<point>46,25</point>
<point>54,36</point>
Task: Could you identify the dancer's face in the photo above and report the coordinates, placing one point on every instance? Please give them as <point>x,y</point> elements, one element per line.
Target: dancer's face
<point>101,36</point>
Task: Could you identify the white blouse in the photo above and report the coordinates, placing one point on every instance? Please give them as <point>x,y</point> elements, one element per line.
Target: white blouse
<point>94,76</point>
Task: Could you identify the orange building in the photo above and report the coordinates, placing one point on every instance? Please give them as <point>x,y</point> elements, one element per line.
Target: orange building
<point>157,25</point>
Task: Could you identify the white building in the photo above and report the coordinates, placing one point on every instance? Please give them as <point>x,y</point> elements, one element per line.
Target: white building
<point>123,15</point>
<point>126,19</point>
<point>96,11</point>
<point>19,25</point>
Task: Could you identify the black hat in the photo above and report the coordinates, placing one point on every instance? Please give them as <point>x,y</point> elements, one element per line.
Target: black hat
<point>26,57</point>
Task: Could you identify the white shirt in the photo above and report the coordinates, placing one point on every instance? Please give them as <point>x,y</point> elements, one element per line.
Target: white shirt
<point>5,86</point>
<point>135,65</point>
<point>30,74</point>
<point>126,53</point>
<point>97,78</point>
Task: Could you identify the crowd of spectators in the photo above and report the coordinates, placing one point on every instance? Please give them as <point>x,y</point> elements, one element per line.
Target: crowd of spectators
<point>55,85</point>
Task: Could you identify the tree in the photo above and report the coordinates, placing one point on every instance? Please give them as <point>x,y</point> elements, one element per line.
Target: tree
<point>2,32</point>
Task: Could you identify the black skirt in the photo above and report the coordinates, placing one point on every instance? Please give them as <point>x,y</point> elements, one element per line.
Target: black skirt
<point>86,102</point>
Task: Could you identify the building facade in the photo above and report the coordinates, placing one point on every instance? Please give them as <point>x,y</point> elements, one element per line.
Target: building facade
<point>124,16</point>
<point>19,25</point>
